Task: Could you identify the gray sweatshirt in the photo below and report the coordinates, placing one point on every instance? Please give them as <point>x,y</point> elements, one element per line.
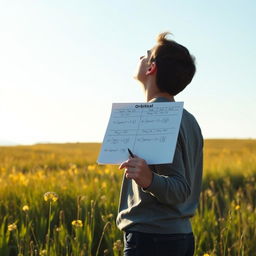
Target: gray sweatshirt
<point>172,198</point>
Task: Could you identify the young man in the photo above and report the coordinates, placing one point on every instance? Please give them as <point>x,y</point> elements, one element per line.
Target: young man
<point>157,201</point>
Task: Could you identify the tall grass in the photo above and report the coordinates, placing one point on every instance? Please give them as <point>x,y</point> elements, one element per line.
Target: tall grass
<point>79,217</point>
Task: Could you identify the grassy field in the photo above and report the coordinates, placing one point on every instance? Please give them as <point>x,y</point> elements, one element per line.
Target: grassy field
<point>77,217</point>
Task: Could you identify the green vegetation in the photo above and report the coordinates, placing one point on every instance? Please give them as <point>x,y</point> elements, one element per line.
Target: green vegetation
<point>79,217</point>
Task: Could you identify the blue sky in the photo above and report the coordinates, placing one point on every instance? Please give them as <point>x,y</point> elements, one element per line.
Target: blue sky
<point>64,62</point>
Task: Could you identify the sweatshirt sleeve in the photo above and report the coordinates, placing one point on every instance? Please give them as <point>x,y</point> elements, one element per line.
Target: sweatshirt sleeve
<point>171,183</point>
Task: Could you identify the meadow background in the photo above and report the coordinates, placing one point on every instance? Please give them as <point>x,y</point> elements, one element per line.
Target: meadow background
<point>58,59</point>
<point>78,216</point>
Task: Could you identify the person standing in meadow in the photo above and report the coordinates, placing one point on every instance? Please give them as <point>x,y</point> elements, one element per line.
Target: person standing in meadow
<point>157,201</point>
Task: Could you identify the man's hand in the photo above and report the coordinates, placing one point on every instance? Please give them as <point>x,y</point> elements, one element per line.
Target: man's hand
<point>137,169</point>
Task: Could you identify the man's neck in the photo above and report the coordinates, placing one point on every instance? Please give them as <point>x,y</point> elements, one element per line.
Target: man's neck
<point>153,92</point>
<point>161,95</point>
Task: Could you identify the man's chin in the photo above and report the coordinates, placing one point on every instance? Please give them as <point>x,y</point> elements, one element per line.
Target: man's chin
<point>136,77</point>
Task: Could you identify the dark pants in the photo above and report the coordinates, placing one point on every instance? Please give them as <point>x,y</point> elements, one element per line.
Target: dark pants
<point>145,244</point>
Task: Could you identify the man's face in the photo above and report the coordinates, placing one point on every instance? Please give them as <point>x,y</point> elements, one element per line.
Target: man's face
<point>142,67</point>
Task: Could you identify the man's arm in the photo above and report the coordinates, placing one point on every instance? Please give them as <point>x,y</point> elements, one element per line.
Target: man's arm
<point>168,183</point>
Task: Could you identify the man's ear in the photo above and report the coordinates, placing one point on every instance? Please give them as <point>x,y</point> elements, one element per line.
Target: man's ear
<point>152,69</point>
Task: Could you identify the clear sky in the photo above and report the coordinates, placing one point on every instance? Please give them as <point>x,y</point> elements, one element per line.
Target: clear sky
<point>62,64</point>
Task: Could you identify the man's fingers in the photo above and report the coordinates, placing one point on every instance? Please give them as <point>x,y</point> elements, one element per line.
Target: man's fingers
<point>129,163</point>
<point>130,173</point>
<point>123,165</point>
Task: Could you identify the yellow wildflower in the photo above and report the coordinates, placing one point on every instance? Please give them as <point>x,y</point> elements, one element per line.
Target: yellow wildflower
<point>77,223</point>
<point>107,171</point>
<point>237,207</point>
<point>25,208</point>
<point>43,253</point>
<point>12,227</point>
<point>209,192</point>
<point>58,229</point>
<point>19,178</point>
<point>206,254</point>
<point>118,245</point>
<point>51,196</point>
<point>104,184</point>
<point>108,217</point>
<point>91,167</point>
<point>73,169</point>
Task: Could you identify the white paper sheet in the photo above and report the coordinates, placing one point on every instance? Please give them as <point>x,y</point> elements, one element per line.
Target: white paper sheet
<point>149,130</point>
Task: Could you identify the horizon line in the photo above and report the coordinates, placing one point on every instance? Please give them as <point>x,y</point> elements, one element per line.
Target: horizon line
<point>7,143</point>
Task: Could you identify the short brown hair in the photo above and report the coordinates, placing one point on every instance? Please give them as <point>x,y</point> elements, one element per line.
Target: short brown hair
<point>175,65</point>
